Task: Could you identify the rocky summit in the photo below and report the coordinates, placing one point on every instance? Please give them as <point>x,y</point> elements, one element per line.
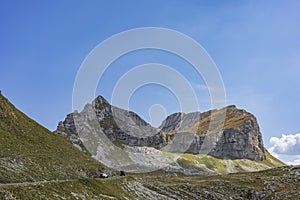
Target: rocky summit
<point>238,137</point>
<point>228,133</point>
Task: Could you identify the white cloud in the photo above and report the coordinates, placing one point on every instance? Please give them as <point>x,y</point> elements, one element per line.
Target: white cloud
<point>294,162</point>
<point>286,148</point>
<point>287,159</point>
<point>287,144</point>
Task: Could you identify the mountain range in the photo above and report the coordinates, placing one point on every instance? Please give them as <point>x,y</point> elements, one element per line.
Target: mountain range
<point>38,164</point>
<point>190,143</point>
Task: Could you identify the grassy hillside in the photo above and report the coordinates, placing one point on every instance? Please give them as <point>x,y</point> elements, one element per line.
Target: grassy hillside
<point>208,163</point>
<point>279,183</point>
<point>30,152</point>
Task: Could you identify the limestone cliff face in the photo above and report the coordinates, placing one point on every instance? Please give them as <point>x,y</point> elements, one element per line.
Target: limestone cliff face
<point>117,124</point>
<point>237,137</point>
<point>240,136</point>
<point>180,121</point>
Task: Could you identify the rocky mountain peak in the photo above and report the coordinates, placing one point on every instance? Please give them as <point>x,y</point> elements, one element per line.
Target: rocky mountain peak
<point>238,136</point>
<point>100,103</point>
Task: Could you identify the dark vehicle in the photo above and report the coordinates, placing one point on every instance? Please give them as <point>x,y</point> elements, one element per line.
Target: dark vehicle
<point>103,175</point>
<point>122,173</point>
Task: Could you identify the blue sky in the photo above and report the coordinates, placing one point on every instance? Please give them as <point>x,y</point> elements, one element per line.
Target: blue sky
<point>255,44</point>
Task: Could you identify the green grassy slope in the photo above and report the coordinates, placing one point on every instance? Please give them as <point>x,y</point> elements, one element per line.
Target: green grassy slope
<point>278,183</point>
<point>222,166</point>
<point>30,152</point>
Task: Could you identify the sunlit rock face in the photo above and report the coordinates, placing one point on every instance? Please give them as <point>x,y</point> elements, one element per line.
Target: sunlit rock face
<point>225,133</point>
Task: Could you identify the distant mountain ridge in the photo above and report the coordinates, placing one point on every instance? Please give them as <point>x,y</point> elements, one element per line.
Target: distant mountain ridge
<point>240,137</point>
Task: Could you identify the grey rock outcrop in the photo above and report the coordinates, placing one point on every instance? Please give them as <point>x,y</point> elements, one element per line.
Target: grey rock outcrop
<point>240,136</point>
<point>117,124</point>
<point>180,121</point>
<point>235,135</point>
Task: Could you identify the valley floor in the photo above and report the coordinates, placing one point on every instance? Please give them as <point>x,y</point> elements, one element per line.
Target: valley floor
<point>279,183</point>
